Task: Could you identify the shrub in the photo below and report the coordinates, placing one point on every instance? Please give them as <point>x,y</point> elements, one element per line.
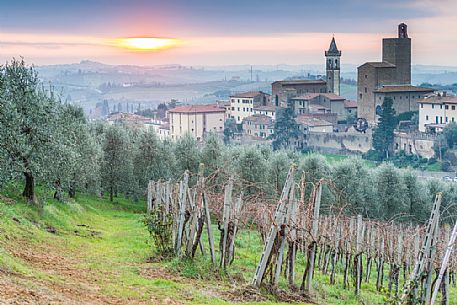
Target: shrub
<point>160,229</point>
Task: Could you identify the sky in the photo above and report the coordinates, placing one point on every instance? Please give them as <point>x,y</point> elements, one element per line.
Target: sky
<point>220,32</point>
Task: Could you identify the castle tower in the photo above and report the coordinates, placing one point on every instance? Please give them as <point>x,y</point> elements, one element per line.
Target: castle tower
<point>397,51</point>
<point>332,57</point>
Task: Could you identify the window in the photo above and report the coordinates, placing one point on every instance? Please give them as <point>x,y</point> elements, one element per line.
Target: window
<point>433,107</point>
<point>366,76</point>
<point>422,105</point>
<point>446,107</point>
<point>366,90</point>
<point>446,119</point>
<point>436,120</point>
<point>441,106</point>
<point>452,119</point>
<point>426,117</point>
<point>400,96</point>
<point>453,107</point>
<point>360,95</point>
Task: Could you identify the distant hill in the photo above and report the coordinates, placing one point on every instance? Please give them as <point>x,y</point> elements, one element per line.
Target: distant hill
<point>89,82</point>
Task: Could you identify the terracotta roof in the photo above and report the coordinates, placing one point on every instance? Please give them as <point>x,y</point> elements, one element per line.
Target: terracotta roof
<point>309,96</point>
<point>259,119</point>
<point>300,82</point>
<point>380,64</point>
<point>332,96</point>
<point>197,109</point>
<point>438,100</point>
<point>250,94</point>
<point>312,121</point>
<point>128,117</point>
<point>403,88</point>
<point>318,107</point>
<point>265,108</point>
<point>350,104</point>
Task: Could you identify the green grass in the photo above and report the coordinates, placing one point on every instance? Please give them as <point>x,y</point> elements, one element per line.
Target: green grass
<point>434,167</point>
<point>106,246</point>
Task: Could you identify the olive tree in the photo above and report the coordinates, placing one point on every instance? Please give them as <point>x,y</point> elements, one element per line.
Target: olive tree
<point>117,165</point>
<point>28,124</point>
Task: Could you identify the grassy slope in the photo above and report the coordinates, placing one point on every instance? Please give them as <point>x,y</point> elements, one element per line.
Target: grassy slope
<point>99,254</point>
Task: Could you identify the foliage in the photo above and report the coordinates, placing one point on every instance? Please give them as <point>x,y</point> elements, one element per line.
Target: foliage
<point>29,125</point>
<point>146,159</point>
<point>251,169</point>
<point>450,134</point>
<point>383,134</point>
<point>285,128</point>
<point>117,165</point>
<point>160,230</point>
<point>391,193</point>
<point>187,154</point>
<point>229,130</point>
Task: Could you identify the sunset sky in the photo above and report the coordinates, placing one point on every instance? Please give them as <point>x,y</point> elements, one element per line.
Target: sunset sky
<point>215,32</point>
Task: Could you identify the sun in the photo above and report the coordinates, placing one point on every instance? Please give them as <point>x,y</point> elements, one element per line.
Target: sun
<point>146,43</point>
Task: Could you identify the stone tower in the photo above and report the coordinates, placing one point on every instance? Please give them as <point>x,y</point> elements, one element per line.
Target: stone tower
<point>332,57</point>
<point>397,51</point>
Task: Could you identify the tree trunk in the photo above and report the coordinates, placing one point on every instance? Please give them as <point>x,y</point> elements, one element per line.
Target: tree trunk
<point>29,189</point>
<point>72,190</point>
<point>111,192</point>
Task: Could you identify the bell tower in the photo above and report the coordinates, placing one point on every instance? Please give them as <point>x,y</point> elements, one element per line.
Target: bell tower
<point>332,57</point>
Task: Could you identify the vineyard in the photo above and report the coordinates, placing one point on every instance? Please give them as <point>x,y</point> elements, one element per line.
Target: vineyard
<point>410,264</point>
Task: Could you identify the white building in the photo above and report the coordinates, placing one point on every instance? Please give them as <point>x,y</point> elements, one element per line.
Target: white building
<point>197,120</point>
<point>242,105</point>
<point>163,132</point>
<point>269,111</point>
<point>436,111</point>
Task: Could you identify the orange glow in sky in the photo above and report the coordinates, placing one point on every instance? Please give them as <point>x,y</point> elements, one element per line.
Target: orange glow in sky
<point>146,43</point>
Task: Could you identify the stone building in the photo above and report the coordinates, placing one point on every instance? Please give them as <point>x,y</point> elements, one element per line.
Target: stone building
<point>196,120</point>
<point>333,56</point>
<point>283,91</point>
<point>308,102</point>
<point>258,125</point>
<point>242,104</point>
<point>312,124</point>
<point>392,76</point>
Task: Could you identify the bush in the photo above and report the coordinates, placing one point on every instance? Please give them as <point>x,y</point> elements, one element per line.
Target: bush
<point>446,166</point>
<point>160,229</point>
<point>373,155</point>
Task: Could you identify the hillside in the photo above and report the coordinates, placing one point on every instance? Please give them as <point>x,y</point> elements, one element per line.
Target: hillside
<point>90,251</point>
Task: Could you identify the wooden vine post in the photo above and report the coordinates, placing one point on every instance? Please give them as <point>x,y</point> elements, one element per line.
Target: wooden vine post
<point>358,255</point>
<point>425,255</point>
<point>278,222</point>
<point>307,283</point>
<point>183,187</point>
<point>444,268</point>
<point>226,218</point>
